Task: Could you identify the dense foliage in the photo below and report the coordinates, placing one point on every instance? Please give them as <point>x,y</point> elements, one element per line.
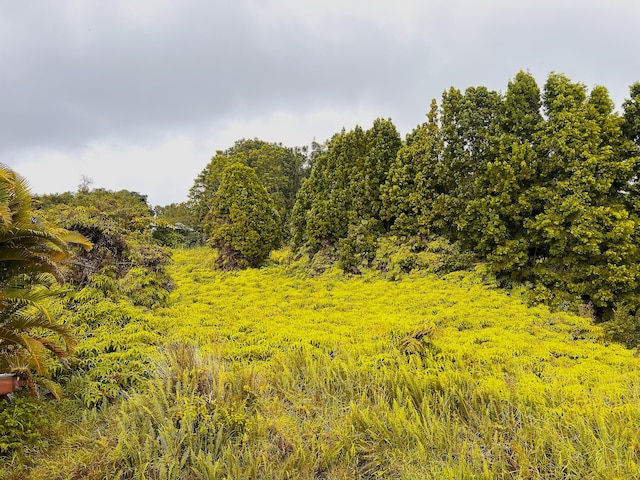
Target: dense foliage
<point>541,184</point>
<point>123,275</point>
<point>31,255</point>
<point>120,225</point>
<point>243,222</point>
<point>377,344</point>
<point>280,170</point>
<point>340,202</point>
<point>176,225</point>
<point>273,373</point>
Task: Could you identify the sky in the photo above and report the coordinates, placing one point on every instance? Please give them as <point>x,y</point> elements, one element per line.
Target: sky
<point>140,94</point>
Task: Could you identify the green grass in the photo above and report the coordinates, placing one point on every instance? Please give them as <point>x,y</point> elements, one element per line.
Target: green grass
<point>272,373</point>
<point>363,377</point>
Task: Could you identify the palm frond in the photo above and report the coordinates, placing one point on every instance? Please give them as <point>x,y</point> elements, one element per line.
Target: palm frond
<point>71,237</point>
<point>15,196</point>
<point>23,232</point>
<point>24,323</point>
<point>37,353</point>
<point>10,337</point>
<point>52,386</point>
<point>31,254</point>
<point>5,212</point>
<point>23,297</point>
<point>58,350</point>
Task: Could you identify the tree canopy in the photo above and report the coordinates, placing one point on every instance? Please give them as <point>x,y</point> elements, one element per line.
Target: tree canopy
<point>243,222</point>
<point>341,200</point>
<point>540,183</point>
<point>279,169</point>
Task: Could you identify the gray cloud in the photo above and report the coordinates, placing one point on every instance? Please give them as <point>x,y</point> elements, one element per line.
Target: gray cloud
<point>135,71</point>
<point>107,76</point>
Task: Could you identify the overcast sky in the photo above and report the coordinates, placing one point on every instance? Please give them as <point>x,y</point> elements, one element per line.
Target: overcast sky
<point>139,94</point>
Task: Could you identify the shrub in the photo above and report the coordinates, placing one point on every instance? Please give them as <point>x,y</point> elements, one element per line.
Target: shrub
<point>20,424</point>
<point>243,222</point>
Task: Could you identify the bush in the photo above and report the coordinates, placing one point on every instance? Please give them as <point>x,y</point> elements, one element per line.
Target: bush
<point>20,423</point>
<point>624,327</point>
<point>243,221</point>
<point>396,256</point>
<point>358,249</point>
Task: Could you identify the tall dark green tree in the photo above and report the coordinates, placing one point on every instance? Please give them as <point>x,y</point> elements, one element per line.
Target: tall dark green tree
<point>585,238</point>
<point>493,221</point>
<point>342,196</point>
<point>414,182</point>
<point>631,128</point>
<point>243,223</point>
<point>631,108</point>
<point>322,210</point>
<point>469,124</point>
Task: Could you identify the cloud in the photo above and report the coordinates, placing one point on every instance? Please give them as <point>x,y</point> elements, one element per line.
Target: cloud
<point>135,79</point>
<point>100,71</point>
<point>165,171</point>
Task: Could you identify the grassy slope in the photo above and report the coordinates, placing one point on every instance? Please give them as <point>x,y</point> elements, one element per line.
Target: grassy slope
<point>449,378</point>
<point>339,378</point>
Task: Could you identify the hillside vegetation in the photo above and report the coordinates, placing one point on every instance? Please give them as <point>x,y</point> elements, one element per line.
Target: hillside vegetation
<point>273,373</point>
<point>362,309</point>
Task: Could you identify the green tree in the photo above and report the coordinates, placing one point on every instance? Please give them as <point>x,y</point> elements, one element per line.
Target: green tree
<point>585,238</point>
<point>321,214</point>
<point>243,223</point>
<point>631,109</point>
<point>469,124</point>
<point>414,182</point>
<point>493,221</point>
<point>280,170</point>
<point>341,200</point>
<point>631,129</point>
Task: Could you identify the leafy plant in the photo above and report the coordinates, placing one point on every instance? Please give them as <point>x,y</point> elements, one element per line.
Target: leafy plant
<point>20,424</point>
<point>30,257</point>
<point>243,224</point>
<point>190,412</point>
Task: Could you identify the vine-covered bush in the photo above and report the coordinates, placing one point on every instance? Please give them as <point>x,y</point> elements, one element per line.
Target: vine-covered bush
<point>120,225</point>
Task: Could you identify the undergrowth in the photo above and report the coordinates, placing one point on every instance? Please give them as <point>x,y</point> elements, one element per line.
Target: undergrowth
<point>273,373</point>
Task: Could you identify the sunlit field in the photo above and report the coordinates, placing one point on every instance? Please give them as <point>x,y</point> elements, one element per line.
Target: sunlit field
<point>276,373</point>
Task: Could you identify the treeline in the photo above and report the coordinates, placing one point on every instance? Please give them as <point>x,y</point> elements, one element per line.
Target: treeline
<point>543,185</point>
<point>540,183</point>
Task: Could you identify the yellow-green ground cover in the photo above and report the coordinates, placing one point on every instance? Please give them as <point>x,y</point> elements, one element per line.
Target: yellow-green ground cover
<point>274,373</point>
<point>419,378</point>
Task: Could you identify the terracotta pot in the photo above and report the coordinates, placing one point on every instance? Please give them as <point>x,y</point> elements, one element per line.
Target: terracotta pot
<point>8,383</point>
